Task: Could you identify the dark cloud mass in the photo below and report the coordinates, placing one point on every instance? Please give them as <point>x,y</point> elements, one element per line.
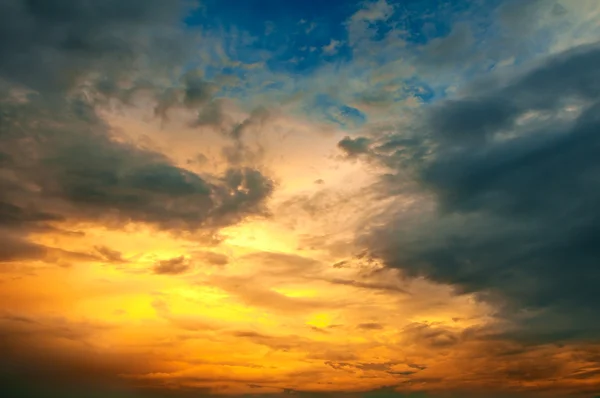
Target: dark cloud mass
<point>514,175</point>
<point>60,60</point>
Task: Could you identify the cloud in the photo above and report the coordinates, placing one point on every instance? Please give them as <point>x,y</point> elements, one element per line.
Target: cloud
<point>15,216</point>
<point>112,256</point>
<point>353,147</point>
<point>66,69</point>
<point>81,171</point>
<point>372,11</point>
<point>61,357</point>
<point>431,335</point>
<point>508,193</point>
<point>172,266</point>
<point>78,39</point>
<point>332,47</point>
<point>15,248</point>
<point>193,323</point>
<point>373,285</point>
<point>282,264</point>
<point>212,258</point>
<point>451,49</point>
<point>62,161</point>
<point>370,326</point>
<point>194,93</point>
<point>252,294</point>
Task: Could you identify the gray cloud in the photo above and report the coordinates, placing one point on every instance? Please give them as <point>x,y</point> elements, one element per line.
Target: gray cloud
<point>79,170</point>
<point>77,39</point>
<point>513,176</point>
<point>196,94</point>
<point>59,160</point>
<point>520,29</point>
<point>450,49</point>
<point>14,216</point>
<point>353,147</point>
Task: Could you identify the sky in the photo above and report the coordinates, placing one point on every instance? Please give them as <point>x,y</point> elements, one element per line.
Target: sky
<point>328,199</point>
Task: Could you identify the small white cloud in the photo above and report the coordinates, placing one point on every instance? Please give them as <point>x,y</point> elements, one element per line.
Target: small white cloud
<point>359,24</point>
<point>374,11</point>
<point>332,47</point>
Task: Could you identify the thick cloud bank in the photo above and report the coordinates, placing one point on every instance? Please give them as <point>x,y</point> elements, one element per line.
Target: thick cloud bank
<point>513,169</point>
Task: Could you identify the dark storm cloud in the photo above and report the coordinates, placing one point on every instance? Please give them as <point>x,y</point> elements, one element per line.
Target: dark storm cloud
<point>59,59</point>
<point>514,174</point>
<point>561,80</point>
